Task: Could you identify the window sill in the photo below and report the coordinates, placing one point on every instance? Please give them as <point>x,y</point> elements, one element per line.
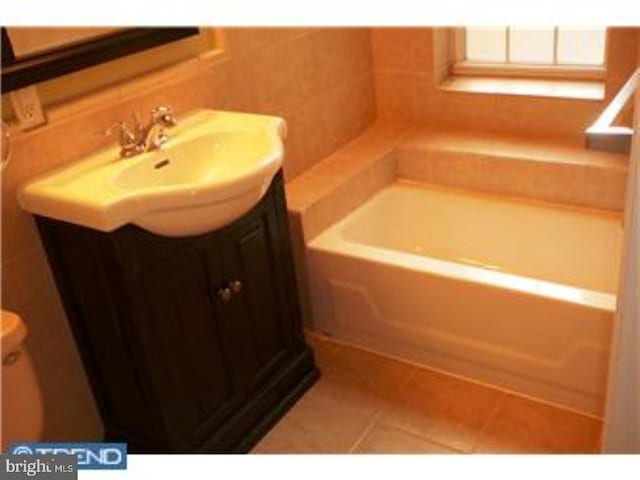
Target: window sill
<point>572,89</point>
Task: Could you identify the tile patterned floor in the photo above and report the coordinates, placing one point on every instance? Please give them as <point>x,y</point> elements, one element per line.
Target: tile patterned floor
<point>367,403</point>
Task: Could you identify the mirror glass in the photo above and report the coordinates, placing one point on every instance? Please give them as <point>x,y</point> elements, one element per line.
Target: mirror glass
<point>34,40</point>
<point>34,54</point>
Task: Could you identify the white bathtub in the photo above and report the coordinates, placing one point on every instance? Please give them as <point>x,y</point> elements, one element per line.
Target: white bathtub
<point>507,292</point>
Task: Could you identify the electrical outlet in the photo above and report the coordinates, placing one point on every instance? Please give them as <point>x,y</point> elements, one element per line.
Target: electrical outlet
<point>27,107</point>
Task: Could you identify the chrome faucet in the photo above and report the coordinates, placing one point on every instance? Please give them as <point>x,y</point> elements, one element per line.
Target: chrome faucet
<point>140,139</point>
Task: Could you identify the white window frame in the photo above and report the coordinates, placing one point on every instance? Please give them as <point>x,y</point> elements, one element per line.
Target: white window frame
<point>463,67</point>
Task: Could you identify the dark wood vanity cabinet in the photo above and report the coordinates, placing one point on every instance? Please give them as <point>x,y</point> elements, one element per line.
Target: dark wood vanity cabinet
<point>191,344</point>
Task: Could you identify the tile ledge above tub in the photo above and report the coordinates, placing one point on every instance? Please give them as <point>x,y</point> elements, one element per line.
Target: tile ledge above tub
<point>523,167</point>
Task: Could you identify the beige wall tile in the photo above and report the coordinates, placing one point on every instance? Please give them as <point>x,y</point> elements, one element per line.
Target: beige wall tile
<point>359,51</point>
<point>557,182</point>
<point>509,176</point>
<point>308,50</point>
<point>605,188</point>
<point>422,51</point>
<point>348,109</point>
<point>294,164</point>
<point>342,200</point>
<point>622,48</point>
<point>396,95</point>
<point>24,277</point>
<point>334,68</point>
<point>242,94</point>
<point>392,48</point>
<point>516,166</point>
<point>441,52</point>
<point>413,164</point>
<point>70,414</point>
<point>314,128</point>
<point>458,170</point>
<point>19,232</point>
<point>383,172</point>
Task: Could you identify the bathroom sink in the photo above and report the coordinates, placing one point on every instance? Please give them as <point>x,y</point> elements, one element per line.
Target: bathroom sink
<point>215,167</point>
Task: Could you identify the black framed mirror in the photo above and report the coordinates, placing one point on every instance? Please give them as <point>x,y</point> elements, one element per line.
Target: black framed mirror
<point>22,71</point>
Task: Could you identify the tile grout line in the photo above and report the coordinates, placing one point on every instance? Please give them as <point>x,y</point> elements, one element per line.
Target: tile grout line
<point>423,437</point>
<point>366,431</point>
<point>414,371</point>
<point>490,418</point>
<point>378,415</point>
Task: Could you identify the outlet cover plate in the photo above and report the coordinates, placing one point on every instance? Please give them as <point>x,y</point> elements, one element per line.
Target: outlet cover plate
<point>27,107</point>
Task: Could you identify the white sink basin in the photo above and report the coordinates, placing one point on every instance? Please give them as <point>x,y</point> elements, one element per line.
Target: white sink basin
<point>215,167</point>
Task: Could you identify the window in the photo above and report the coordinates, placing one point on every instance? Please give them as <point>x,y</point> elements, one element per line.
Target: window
<point>562,52</point>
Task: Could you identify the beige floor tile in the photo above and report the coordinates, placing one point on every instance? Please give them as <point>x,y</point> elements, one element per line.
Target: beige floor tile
<point>525,426</point>
<point>372,404</point>
<point>386,439</point>
<point>330,418</point>
<point>354,388</point>
<point>442,408</point>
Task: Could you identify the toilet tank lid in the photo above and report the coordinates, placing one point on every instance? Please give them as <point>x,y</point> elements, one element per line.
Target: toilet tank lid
<point>13,331</point>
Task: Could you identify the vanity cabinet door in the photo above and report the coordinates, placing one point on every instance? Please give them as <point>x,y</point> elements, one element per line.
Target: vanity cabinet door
<point>257,320</point>
<point>180,329</point>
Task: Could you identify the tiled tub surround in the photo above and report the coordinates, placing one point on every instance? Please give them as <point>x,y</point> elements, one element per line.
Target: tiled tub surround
<point>526,170</point>
<point>326,99</point>
<point>368,403</point>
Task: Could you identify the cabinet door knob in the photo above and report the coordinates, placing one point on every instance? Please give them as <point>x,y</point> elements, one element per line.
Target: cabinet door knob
<point>11,358</point>
<point>224,294</point>
<point>235,286</point>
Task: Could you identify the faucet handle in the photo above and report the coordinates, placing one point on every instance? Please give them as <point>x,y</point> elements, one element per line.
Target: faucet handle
<point>128,139</point>
<point>165,115</point>
<point>127,136</point>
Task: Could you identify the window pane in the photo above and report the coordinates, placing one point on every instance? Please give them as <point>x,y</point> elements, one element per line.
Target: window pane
<point>581,46</point>
<point>531,45</point>
<point>486,44</point>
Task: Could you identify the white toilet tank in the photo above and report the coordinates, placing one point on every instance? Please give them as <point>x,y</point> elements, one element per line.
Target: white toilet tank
<point>22,409</point>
